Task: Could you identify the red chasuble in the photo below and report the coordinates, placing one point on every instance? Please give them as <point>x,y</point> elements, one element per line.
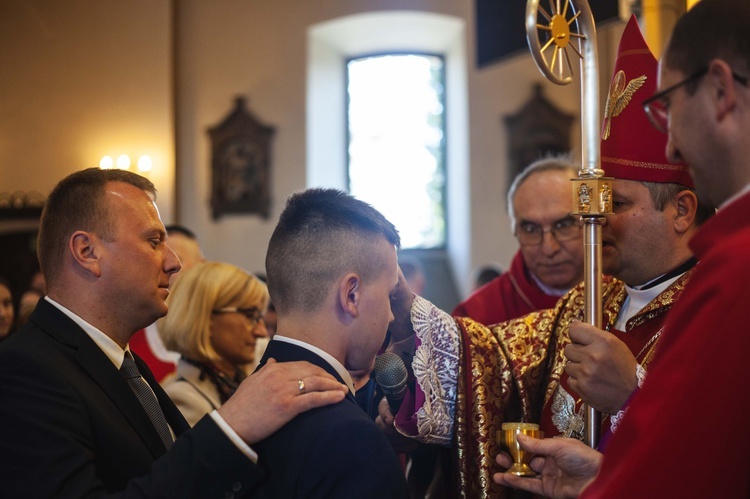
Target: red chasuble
<point>511,295</point>
<point>686,432</point>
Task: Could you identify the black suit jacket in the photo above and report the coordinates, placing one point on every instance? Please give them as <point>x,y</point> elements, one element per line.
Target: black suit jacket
<point>70,426</point>
<point>330,452</point>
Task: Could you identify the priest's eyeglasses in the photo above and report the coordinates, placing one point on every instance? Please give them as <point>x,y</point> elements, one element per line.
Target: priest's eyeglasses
<point>531,234</point>
<point>657,106</point>
<point>253,314</point>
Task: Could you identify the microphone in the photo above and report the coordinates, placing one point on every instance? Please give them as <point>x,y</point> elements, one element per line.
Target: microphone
<point>390,373</point>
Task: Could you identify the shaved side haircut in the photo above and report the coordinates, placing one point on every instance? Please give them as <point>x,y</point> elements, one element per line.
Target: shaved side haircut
<point>322,234</point>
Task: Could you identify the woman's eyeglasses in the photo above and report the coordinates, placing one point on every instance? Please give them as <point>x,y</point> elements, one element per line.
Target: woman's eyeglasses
<point>252,313</point>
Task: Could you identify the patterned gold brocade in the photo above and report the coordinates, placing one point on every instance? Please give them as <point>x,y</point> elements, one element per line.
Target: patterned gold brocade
<point>509,372</point>
<point>479,415</point>
<point>570,308</point>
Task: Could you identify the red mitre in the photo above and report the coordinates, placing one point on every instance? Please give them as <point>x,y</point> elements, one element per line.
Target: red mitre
<point>631,148</point>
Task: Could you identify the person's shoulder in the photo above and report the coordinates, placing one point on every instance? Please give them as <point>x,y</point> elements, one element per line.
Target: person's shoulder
<point>733,244</point>
<point>355,446</point>
<point>190,400</point>
<point>182,389</point>
<point>188,387</point>
<point>333,451</point>
<point>726,254</point>
<point>308,432</point>
<point>30,342</point>
<point>344,410</point>
<point>325,422</point>
<point>33,360</point>
<point>346,418</point>
<point>340,433</point>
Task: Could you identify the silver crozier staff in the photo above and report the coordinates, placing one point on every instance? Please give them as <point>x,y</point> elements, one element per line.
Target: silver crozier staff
<point>557,33</point>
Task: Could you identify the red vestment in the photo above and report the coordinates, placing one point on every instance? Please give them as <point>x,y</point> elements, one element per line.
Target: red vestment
<point>511,295</point>
<point>512,372</point>
<point>686,432</point>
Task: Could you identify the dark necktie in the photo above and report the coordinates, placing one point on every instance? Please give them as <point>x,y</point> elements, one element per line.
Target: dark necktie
<point>147,398</point>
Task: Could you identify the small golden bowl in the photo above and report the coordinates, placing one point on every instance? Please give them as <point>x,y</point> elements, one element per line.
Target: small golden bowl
<point>508,441</point>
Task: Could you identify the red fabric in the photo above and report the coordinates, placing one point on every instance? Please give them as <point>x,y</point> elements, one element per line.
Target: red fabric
<point>630,148</point>
<point>686,432</point>
<point>139,344</point>
<point>511,295</point>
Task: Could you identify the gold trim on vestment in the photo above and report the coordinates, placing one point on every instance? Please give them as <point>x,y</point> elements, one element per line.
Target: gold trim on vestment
<point>515,369</point>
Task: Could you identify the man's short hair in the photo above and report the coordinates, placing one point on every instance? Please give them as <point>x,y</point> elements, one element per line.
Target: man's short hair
<point>664,194</point>
<point>322,234</point>
<point>557,163</point>
<point>77,203</point>
<point>712,29</point>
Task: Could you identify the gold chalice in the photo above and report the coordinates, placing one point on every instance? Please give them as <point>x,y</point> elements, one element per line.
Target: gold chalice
<point>508,442</point>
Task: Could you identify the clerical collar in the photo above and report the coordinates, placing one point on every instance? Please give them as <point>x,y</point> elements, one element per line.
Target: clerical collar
<point>678,271</point>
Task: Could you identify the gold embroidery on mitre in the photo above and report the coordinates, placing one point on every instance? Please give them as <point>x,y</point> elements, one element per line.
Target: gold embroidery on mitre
<point>644,164</point>
<point>619,97</point>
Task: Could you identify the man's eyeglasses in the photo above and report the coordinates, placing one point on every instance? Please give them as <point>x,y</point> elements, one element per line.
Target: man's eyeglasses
<point>252,313</point>
<point>657,109</point>
<point>530,234</point>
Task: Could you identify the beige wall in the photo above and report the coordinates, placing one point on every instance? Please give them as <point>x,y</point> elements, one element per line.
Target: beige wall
<point>83,78</point>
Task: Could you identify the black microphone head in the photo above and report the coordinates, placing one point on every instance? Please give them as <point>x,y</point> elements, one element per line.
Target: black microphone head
<point>390,373</point>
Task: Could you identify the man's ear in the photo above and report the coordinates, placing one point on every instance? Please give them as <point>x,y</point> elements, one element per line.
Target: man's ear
<point>687,207</point>
<point>721,78</point>
<point>85,250</point>
<point>350,289</point>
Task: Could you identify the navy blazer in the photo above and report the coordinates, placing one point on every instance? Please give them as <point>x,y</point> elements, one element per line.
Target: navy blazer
<point>70,426</point>
<point>330,452</point>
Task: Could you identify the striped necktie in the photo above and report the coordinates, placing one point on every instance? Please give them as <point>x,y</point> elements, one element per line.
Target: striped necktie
<point>147,398</point>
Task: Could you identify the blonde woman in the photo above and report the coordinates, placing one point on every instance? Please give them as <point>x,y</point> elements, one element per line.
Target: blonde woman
<point>215,319</point>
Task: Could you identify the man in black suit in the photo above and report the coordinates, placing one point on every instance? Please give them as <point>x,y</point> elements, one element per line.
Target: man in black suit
<point>331,267</point>
<point>71,423</point>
